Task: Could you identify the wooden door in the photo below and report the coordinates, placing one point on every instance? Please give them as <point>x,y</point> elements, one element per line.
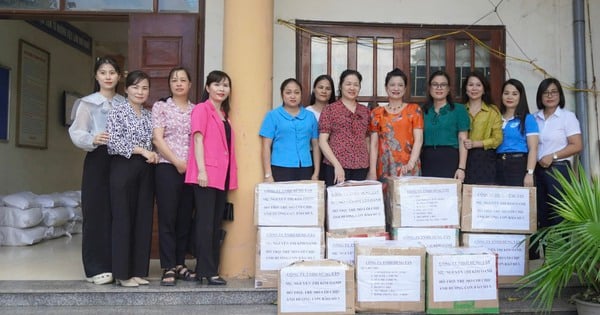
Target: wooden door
<point>158,43</point>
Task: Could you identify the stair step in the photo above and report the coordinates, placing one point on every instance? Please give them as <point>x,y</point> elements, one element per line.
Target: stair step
<point>73,295</point>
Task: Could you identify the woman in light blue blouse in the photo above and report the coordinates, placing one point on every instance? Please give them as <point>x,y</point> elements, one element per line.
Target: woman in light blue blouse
<point>517,154</point>
<point>288,133</point>
<point>131,182</point>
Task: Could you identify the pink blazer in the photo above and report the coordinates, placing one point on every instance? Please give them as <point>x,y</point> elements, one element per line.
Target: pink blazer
<point>206,121</point>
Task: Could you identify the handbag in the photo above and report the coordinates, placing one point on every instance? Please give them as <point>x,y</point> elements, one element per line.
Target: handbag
<point>228,213</point>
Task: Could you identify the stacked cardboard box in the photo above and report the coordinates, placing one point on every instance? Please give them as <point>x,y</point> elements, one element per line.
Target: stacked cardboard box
<point>424,209</point>
<point>390,277</point>
<point>355,214</point>
<point>316,287</point>
<point>462,280</point>
<point>289,217</point>
<point>500,218</point>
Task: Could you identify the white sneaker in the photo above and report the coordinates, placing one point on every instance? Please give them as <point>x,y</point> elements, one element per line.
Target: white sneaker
<point>102,278</point>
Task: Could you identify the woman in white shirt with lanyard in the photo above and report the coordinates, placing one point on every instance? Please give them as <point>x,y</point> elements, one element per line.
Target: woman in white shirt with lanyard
<point>560,139</point>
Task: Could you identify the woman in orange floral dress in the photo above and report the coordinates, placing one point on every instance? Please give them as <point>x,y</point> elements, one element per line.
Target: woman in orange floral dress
<point>396,132</point>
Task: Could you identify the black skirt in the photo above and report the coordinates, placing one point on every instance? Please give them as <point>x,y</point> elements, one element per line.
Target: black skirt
<point>481,167</point>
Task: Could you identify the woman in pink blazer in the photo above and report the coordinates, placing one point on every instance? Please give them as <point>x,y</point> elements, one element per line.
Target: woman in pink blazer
<point>212,170</point>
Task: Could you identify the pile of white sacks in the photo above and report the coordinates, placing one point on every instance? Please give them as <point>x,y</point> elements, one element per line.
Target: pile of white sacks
<point>27,218</point>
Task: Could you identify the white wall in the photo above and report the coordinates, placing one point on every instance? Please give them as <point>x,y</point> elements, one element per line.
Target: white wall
<point>543,29</point>
<point>57,168</point>
<point>213,36</point>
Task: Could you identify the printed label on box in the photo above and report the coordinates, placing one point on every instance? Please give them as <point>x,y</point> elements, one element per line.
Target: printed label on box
<point>388,278</point>
<point>314,289</point>
<point>464,278</point>
<point>342,249</point>
<point>355,206</point>
<point>427,205</point>
<point>281,246</point>
<point>288,204</point>
<point>510,249</point>
<point>505,208</point>
<point>428,237</point>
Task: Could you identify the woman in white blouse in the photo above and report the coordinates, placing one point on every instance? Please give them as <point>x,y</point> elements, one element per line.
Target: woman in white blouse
<point>88,132</point>
<point>131,182</point>
<point>559,141</point>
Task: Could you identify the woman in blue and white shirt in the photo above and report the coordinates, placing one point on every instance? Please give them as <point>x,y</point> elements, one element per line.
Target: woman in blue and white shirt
<point>131,182</point>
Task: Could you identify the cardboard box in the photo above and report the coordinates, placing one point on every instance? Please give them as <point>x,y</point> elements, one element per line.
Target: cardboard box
<point>462,280</point>
<point>414,201</point>
<point>428,237</point>
<point>296,203</point>
<point>499,209</point>
<point>512,251</point>
<point>316,287</point>
<point>277,247</point>
<point>355,205</point>
<point>390,277</point>
<point>342,247</point>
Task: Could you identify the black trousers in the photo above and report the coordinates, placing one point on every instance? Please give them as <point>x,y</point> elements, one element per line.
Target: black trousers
<point>546,188</point>
<point>95,205</point>
<point>132,203</point>
<point>175,203</point>
<point>210,204</point>
<point>284,174</point>
<point>510,171</point>
<point>439,161</point>
<point>349,174</point>
<point>481,167</point>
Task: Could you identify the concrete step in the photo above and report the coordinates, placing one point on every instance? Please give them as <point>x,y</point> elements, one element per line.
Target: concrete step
<point>237,297</point>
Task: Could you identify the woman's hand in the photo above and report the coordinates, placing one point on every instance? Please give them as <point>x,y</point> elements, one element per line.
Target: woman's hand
<point>546,161</point>
<point>151,156</point>
<point>468,143</point>
<point>408,167</point>
<point>181,166</point>
<point>340,175</point>
<point>101,138</point>
<point>528,180</point>
<point>459,174</point>
<point>202,178</point>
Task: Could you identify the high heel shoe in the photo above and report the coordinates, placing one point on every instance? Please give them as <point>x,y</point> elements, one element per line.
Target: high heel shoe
<point>216,280</point>
<point>127,283</point>
<point>140,280</point>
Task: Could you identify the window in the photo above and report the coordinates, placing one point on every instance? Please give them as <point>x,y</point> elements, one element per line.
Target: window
<point>375,49</point>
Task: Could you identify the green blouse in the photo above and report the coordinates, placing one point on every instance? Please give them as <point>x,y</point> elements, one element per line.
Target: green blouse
<point>442,128</point>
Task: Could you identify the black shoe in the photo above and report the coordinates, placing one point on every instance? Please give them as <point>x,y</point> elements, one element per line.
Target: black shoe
<point>216,280</point>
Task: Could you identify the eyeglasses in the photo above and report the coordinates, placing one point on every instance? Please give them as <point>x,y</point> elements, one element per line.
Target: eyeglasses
<point>439,85</point>
<point>550,93</point>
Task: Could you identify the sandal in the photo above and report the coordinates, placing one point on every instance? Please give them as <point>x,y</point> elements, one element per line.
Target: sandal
<point>169,277</point>
<point>183,273</point>
<point>103,278</point>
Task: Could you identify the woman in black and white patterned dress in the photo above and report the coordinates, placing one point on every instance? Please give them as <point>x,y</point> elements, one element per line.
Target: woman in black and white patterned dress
<point>131,182</point>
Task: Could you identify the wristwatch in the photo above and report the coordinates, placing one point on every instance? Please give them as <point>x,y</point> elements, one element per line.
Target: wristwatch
<point>530,171</point>
<point>555,156</point>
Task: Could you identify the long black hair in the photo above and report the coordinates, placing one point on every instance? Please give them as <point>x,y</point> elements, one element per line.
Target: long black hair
<point>320,78</point>
<point>487,95</point>
<point>218,76</point>
<point>429,103</point>
<point>101,61</point>
<point>522,109</point>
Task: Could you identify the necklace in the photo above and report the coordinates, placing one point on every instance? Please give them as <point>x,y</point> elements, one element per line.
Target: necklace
<point>395,109</point>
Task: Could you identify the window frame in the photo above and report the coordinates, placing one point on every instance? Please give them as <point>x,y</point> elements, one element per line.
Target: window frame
<point>493,35</point>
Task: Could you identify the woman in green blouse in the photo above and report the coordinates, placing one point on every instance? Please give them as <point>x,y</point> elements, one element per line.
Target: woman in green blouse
<point>446,128</point>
